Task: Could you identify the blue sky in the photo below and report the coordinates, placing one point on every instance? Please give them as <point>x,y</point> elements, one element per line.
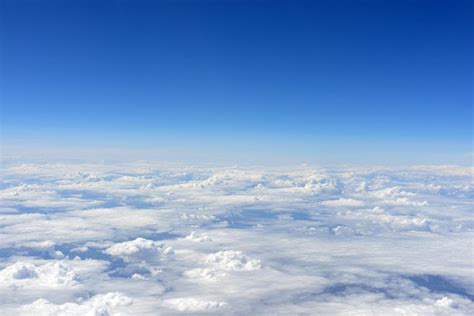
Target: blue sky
<point>325,81</point>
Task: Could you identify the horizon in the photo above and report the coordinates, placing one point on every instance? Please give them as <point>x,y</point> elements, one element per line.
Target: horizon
<point>236,157</point>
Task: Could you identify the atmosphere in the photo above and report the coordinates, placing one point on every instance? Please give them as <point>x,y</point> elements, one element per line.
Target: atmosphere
<point>320,81</point>
<point>231,157</point>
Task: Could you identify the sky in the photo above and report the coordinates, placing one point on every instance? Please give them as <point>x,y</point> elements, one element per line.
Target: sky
<point>320,81</point>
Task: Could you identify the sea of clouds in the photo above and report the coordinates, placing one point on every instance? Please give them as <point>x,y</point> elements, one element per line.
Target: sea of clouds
<point>145,239</point>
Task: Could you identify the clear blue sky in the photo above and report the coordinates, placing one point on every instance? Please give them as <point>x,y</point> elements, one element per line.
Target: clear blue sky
<point>368,80</point>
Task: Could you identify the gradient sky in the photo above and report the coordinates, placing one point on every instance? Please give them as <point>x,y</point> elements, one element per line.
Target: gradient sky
<point>325,81</point>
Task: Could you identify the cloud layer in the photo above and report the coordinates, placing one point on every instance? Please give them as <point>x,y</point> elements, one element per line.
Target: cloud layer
<point>142,238</point>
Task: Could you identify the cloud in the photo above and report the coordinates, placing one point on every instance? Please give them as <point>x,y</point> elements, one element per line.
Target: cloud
<point>343,202</point>
<point>204,273</point>
<point>196,237</point>
<point>52,274</point>
<point>139,249</point>
<point>145,238</point>
<point>446,302</point>
<point>233,260</point>
<point>101,304</point>
<point>192,304</point>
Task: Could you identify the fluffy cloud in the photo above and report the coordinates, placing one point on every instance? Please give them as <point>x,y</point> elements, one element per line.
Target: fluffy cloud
<point>101,304</point>
<point>233,260</point>
<point>196,237</point>
<point>204,273</point>
<point>51,274</point>
<point>139,249</point>
<point>146,238</point>
<point>190,304</point>
<point>343,202</point>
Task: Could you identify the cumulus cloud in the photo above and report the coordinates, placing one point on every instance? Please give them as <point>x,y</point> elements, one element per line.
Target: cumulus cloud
<point>204,273</point>
<point>147,238</point>
<point>101,304</point>
<point>197,237</point>
<point>190,304</point>
<point>139,249</point>
<point>343,202</point>
<point>233,260</point>
<point>51,274</point>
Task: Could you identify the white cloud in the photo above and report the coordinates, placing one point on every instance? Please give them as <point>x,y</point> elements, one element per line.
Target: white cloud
<point>204,273</point>
<point>190,304</point>
<point>233,260</point>
<point>446,302</point>
<point>101,304</point>
<point>237,240</point>
<point>51,274</point>
<point>343,202</point>
<point>197,237</point>
<point>139,249</point>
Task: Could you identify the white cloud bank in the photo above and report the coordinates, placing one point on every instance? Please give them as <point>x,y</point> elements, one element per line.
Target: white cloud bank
<point>145,239</point>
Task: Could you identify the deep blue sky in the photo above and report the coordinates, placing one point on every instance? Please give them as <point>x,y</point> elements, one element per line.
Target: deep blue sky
<point>366,80</point>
